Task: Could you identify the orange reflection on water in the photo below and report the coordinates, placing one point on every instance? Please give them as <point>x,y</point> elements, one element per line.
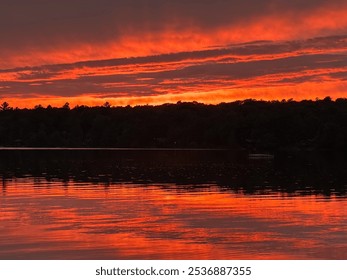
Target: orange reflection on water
<point>68,220</point>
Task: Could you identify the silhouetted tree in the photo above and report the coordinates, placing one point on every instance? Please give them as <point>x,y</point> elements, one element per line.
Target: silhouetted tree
<point>66,106</point>
<point>38,107</point>
<point>107,104</point>
<point>5,106</point>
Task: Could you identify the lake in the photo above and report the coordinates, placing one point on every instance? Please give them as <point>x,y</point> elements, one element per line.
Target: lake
<point>171,204</point>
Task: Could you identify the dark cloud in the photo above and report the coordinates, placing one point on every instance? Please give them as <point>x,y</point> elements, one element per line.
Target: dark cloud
<point>270,64</point>
<point>48,23</point>
<point>340,75</point>
<point>258,48</point>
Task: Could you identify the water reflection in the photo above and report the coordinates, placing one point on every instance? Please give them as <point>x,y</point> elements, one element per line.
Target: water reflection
<point>113,207</point>
<point>46,220</point>
<point>232,170</point>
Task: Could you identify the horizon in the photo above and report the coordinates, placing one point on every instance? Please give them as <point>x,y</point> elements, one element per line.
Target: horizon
<point>67,105</point>
<point>153,52</point>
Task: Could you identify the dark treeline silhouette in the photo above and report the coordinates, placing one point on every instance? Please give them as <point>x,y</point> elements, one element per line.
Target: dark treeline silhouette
<point>257,126</point>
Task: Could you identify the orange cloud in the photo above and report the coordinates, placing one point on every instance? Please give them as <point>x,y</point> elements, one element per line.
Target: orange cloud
<point>299,69</point>
<point>308,90</point>
<point>177,37</point>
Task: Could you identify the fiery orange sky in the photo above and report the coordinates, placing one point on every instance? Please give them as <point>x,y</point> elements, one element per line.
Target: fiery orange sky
<point>152,52</point>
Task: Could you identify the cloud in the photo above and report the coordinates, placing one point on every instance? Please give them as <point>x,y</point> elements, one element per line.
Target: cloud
<point>159,50</point>
<point>227,72</point>
<point>43,32</point>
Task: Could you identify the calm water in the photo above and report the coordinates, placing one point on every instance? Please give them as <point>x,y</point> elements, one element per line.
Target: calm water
<point>170,205</point>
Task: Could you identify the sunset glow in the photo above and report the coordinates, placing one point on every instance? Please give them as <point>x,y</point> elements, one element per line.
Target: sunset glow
<point>154,52</point>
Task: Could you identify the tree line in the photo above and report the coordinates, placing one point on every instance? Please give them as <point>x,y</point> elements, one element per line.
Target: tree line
<point>257,126</point>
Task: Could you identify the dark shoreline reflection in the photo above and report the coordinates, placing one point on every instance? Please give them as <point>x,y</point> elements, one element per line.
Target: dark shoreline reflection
<point>171,205</point>
<point>230,170</point>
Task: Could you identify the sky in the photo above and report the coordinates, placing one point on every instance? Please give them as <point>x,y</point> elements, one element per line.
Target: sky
<point>136,52</point>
